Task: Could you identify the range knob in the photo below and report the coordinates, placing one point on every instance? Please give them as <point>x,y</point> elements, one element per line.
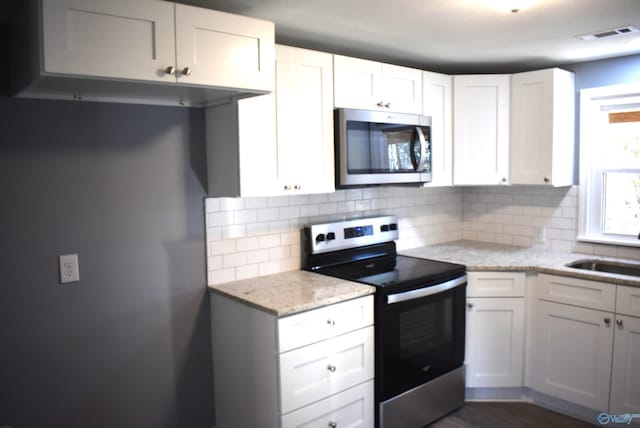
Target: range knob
<point>320,237</point>
<point>331,236</point>
<point>384,228</point>
<point>393,226</point>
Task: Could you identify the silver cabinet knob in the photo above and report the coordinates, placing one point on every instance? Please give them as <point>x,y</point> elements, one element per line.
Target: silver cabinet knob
<point>170,70</point>
<point>331,322</point>
<point>331,368</point>
<point>607,320</point>
<point>470,305</point>
<point>387,105</point>
<point>380,104</point>
<point>619,323</point>
<point>297,187</point>
<point>333,424</point>
<point>504,179</point>
<point>547,179</point>
<point>186,71</point>
<point>287,187</point>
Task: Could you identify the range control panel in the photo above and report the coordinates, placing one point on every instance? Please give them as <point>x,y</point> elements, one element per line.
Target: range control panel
<point>345,234</point>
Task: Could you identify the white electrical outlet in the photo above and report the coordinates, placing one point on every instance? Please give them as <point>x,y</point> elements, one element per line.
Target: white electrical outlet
<point>69,268</point>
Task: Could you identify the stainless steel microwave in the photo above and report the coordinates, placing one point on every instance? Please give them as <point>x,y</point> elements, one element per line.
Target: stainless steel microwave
<point>375,147</point>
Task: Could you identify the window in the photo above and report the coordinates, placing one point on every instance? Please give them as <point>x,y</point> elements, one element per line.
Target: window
<point>610,165</point>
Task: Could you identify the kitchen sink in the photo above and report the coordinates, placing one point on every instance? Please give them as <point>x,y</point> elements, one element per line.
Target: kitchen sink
<point>606,266</point>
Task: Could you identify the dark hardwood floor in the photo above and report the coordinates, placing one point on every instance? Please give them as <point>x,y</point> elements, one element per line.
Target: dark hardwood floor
<point>507,415</point>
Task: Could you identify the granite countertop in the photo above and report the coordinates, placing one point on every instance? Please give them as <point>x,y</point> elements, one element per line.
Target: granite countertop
<point>291,292</point>
<point>481,256</point>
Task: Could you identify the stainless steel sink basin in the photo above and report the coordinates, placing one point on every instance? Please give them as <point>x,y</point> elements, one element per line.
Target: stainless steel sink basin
<point>606,266</point>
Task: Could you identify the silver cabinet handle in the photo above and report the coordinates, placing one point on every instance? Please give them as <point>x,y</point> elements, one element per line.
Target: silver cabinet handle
<point>170,70</point>
<point>186,71</point>
<point>333,424</point>
<point>619,323</point>
<point>607,320</point>
<point>331,368</point>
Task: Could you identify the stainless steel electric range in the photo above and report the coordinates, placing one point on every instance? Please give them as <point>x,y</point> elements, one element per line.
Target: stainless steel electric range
<point>419,316</point>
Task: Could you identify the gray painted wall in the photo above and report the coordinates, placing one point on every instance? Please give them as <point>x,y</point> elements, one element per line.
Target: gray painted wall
<point>122,186</point>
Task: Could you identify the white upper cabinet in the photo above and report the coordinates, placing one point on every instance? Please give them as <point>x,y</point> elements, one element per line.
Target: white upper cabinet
<point>102,50</point>
<point>117,39</point>
<point>481,129</point>
<point>436,101</point>
<point>276,144</point>
<point>304,105</point>
<point>542,127</point>
<point>370,85</point>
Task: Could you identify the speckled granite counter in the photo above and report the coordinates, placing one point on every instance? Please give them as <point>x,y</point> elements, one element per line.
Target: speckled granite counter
<point>480,256</point>
<point>288,293</point>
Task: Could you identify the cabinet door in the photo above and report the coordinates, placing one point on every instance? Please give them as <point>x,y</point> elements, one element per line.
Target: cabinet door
<point>402,89</point>
<point>115,39</point>
<point>305,120</point>
<point>352,408</point>
<point>358,83</point>
<point>316,371</point>
<point>571,355</point>
<point>221,49</point>
<point>436,101</point>
<point>495,342</point>
<point>625,375</point>
<point>542,127</point>
<point>481,129</point>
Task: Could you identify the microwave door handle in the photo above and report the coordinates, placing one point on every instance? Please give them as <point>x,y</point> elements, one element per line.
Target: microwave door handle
<point>423,149</point>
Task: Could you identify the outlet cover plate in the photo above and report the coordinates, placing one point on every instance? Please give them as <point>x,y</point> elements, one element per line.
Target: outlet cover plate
<point>69,268</point>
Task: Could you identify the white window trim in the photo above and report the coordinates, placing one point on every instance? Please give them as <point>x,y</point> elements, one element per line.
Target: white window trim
<point>591,102</point>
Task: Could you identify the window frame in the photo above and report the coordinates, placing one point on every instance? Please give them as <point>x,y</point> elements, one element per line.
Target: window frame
<point>594,102</point>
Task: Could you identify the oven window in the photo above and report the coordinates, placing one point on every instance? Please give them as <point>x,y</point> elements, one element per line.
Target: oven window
<point>421,340</point>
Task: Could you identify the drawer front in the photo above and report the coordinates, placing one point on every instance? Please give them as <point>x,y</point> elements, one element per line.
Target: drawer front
<point>496,284</point>
<point>352,408</point>
<point>628,301</point>
<point>317,371</point>
<point>578,292</point>
<point>320,324</point>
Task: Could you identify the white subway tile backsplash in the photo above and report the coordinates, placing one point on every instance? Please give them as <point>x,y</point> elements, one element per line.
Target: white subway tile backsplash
<point>259,236</point>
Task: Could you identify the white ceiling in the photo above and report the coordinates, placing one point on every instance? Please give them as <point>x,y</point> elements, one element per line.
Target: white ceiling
<point>449,35</point>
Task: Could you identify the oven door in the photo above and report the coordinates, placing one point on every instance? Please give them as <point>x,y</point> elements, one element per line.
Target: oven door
<point>420,335</point>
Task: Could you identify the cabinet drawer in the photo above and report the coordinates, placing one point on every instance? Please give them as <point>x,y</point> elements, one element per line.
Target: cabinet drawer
<point>628,301</point>
<point>495,284</point>
<point>351,408</point>
<point>313,326</point>
<point>579,292</point>
<point>316,371</point>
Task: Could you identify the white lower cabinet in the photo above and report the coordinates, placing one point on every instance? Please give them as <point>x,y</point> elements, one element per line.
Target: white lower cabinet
<point>495,329</point>
<point>585,347</point>
<point>572,348</point>
<point>316,371</point>
<point>269,374</point>
<point>625,374</point>
<point>352,408</point>
<point>495,342</point>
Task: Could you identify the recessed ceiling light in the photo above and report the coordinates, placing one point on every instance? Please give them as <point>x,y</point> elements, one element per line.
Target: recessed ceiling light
<point>513,6</point>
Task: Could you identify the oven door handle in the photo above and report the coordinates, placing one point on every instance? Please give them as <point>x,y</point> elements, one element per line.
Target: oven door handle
<point>427,291</point>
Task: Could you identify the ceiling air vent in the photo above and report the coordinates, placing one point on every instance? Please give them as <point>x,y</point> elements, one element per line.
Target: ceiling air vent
<point>611,33</point>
